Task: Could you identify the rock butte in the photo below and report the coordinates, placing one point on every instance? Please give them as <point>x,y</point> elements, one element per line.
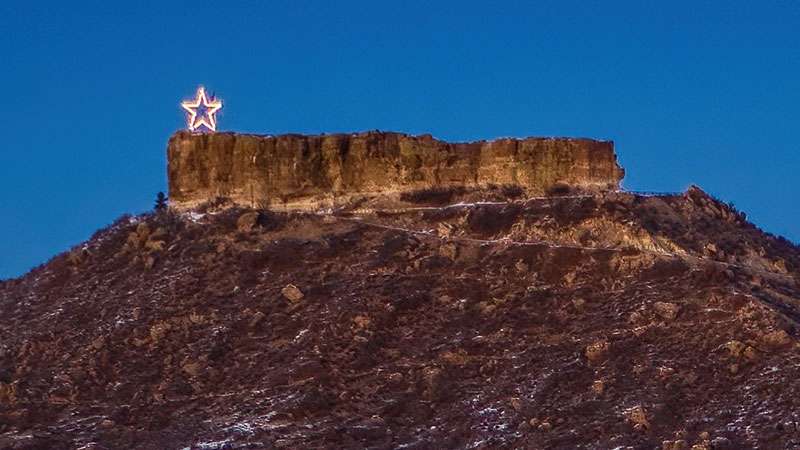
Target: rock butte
<point>563,322</point>
<point>300,171</point>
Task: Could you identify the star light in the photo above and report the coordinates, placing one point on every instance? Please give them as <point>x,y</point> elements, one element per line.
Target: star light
<point>201,111</point>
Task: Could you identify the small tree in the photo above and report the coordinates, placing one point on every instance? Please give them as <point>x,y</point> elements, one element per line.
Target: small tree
<point>161,202</point>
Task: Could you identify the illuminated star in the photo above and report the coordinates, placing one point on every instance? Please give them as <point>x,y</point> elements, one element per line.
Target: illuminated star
<point>201,111</point>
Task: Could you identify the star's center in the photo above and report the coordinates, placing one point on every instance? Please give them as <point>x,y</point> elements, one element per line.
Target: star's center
<point>201,111</point>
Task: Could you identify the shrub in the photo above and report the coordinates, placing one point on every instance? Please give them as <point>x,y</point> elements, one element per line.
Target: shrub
<point>512,190</point>
<point>559,189</point>
<point>161,202</point>
<point>488,220</point>
<point>433,196</point>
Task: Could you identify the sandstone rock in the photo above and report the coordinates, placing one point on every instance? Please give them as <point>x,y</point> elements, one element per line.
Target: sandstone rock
<point>637,416</point>
<point>142,231</point>
<point>445,229</point>
<point>77,256</point>
<point>247,221</point>
<point>750,354</point>
<point>735,348</point>
<point>304,170</point>
<point>158,330</point>
<point>444,299</point>
<point>597,352</point>
<point>361,322</point>
<point>131,243</point>
<point>154,246</point>
<point>455,358</point>
<point>98,343</point>
<point>667,311</point>
<point>395,377</point>
<point>664,373</point>
<point>196,318</point>
<point>292,293</point>
<point>192,369</point>
<point>8,393</point>
<point>636,318</point>
<point>449,250</point>
<point>779,265</point>
<point>776,340</point>
<point>256,319</point>
<point>486,307</point>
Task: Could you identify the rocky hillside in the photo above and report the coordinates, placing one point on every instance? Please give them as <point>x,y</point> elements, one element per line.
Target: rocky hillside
<point>452,318</point>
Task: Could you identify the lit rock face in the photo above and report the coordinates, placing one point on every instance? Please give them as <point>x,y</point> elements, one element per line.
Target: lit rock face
<point>312,171</point>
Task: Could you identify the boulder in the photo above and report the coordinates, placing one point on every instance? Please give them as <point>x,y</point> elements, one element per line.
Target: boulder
<point>667,311</point>
<point>247,221</point>
<point>292,293</point>
<point>597,352</point>
<point>776,340</point>
<point>637,416</point>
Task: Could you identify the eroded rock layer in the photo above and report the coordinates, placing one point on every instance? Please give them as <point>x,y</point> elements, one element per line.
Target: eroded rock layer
<point>303,170</point>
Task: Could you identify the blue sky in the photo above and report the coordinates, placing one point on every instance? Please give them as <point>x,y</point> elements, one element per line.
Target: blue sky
<point>690,91</point>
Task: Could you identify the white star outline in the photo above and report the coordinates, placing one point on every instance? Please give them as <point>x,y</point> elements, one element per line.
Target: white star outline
<point>206,119</point>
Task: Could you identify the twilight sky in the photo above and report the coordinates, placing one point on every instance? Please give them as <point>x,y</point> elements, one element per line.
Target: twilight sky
<point>690,91</point>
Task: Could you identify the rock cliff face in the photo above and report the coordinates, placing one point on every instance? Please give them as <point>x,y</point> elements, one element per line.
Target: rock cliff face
<point>306,171</point>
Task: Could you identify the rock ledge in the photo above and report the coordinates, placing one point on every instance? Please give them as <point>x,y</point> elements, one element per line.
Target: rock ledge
<point>312,171</point>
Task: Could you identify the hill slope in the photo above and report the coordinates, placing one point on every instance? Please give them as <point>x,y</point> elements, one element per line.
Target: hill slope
<point>588,321</point>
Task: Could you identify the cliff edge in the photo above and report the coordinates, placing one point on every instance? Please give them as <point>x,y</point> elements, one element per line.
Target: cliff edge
<point>312,171</point>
